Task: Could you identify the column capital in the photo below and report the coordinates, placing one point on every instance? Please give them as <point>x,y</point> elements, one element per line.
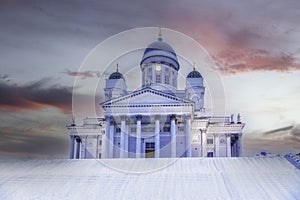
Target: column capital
<point>112,120</point>
<point>216,135</point>
<point>228,134</point>
<point>187,117</point>
<point>138,117</point>
<point>157,117</point>
<point>173,116</point>
<point>123,117</point>
<point>78,139</point>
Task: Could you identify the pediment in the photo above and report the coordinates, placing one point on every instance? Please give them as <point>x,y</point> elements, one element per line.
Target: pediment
<point>146,96</point>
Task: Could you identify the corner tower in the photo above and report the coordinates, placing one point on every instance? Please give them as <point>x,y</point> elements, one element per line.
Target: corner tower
<point>195,89</point>
<point>115,85</point>
<point>159,65</point>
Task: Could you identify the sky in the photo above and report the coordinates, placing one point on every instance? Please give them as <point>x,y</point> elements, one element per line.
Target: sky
<point>255,46</point>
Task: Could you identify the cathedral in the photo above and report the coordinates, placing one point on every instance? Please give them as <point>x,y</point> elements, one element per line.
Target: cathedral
<point>158,120</point>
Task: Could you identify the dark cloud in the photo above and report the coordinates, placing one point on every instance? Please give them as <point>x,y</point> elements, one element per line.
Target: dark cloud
<point>83,75</point>
<point>279,141</point>
<point>288,128</point>
<point>35,96</point>
<point>28,145</point>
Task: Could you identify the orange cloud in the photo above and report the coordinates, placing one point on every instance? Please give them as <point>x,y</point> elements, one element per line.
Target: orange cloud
<point>34,96</point>
<point>247,60</point>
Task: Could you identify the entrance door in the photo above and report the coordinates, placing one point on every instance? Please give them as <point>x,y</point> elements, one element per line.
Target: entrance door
<point>149,149</point>
<point>210,154</point>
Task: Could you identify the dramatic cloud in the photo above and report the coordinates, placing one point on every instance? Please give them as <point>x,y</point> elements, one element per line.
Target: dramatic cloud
<point>285,139</point>
<point>83,75</point>
<point>25,144</point>
<point>35,96</point>
<point>231,61</point>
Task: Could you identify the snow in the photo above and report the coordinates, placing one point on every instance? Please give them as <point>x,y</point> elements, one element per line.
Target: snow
<point>184,178</point>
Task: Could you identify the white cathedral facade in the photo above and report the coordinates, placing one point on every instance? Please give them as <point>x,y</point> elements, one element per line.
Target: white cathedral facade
<point>158,120</point>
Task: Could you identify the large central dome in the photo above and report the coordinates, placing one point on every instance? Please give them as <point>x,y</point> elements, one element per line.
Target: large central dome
<point>160,45</point>
<point>160,52</point>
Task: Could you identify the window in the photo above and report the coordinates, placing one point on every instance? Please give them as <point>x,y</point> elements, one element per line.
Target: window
<point>100,142</point>
<point>167,79</point>
<point>158,78</point>
<point>149,74</point>
<point>150,78</point>
<point>118,130</point>
<point>210,141</point>
<point>150,145</point>
<point>99,155</point>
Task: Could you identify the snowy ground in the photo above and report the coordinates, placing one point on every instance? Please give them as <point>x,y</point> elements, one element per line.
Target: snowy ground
<point>185,178</point>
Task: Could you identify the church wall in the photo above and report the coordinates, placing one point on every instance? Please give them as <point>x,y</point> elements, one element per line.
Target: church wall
<point>117,146</point>
<point>165,147</point>
<point>196,149</point>
<point>131,146</point>
<point>180,146</point>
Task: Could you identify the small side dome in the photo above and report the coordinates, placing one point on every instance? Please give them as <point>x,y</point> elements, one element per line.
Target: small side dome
<point>116,74</point>
<point>194,74</point>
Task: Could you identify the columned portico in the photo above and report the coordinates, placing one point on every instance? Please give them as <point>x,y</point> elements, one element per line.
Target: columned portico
<point>138,136</point>
<point>72,146</point>
<point>106,140</point>
<point>228,145</point>
<point>240,151</point>
<point>127,128</point>
<point>188,136</point>
<point>173,136</point>
<point>122,137</point>
<point>157,137</point>
<point>203,142</point>
<point>217,145</point>
<point>78,140</point>
<point>111,138</point>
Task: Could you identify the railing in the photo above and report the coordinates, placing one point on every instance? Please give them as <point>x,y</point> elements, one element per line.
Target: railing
<point>294,159</point>
<point>219,120</point>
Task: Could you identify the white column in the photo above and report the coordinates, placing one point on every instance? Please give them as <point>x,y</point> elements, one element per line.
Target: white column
<point>72,146</point>
<point>240,150</point>
<point>127,127</point>
<point>105,143</point>
<point>228,145</point>
<point>203,143</point>
<point>233,149</point>
<point>217,145</point>
<point>122,138</point>
<point>111,139</point>
<point>157,137</point>
<point>138,136</point>
<point>97,146</point>
<point>77,148</point>
<point>188,136</point>
<point>173,137</point>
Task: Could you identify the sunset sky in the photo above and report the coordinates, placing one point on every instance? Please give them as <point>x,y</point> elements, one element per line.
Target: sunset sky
<point>255,45</point>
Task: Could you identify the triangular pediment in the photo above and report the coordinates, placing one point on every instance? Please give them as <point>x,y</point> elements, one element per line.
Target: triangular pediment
<point>146,96</point>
